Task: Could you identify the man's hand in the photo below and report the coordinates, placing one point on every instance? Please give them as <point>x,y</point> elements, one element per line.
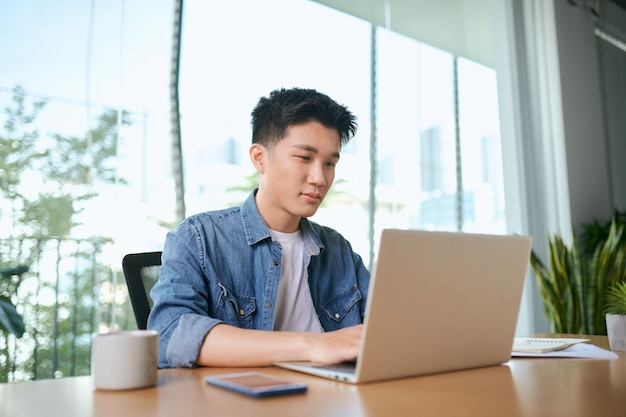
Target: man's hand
<point>334,347</point>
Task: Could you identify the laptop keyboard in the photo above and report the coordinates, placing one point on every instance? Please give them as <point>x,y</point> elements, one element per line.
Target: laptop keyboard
<point>346,367</point>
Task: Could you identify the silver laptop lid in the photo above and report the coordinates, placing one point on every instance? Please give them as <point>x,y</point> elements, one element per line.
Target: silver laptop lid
<point>441,301</point>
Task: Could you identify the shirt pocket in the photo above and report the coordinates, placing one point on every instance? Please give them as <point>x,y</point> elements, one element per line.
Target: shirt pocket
<point>340,305</point>
<point>235,309</point>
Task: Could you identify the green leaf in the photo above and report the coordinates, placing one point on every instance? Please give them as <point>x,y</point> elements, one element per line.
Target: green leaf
<point>616,299</point>
<point>10,320</point>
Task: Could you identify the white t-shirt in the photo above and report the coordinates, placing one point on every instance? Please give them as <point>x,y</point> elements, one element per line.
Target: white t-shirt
<point>294,306</point>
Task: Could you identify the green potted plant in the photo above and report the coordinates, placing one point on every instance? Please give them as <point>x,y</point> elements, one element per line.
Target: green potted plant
<point>574,283</point>
<point>616,316</point>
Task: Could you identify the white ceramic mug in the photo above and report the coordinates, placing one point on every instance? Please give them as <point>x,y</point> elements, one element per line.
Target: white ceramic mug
<point>125,359</point>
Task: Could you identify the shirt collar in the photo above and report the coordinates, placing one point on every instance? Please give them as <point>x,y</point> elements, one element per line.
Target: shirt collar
<point>256,230</point>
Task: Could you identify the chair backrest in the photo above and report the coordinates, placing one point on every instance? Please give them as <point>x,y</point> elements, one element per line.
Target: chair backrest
<point>141,271</point>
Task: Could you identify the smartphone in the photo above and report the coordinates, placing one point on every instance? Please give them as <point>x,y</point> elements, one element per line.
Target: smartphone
<point>255,384</point>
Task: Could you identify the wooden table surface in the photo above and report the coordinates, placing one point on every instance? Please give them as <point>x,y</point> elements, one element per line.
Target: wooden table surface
<point>522,387</point>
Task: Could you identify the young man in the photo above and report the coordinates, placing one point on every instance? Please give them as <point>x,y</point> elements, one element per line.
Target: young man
<point>260,283</point>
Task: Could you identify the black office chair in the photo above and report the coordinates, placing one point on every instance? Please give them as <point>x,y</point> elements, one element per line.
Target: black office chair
<point>141,271</point>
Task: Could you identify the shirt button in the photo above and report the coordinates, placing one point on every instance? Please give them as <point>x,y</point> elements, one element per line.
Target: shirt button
<point>241,312</point>
<point>276,263</point>
<point>337,315</point>
<point>270,305</point>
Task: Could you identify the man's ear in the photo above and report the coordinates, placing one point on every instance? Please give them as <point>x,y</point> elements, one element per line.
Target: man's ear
<point>258,155</point>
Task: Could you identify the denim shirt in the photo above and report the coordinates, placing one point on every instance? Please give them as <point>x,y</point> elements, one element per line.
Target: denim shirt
<point>223,267</point>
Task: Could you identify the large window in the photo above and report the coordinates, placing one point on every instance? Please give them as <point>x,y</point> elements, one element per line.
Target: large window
<point>84,170</point>
<point>434,125</point>
<point>91,166</point>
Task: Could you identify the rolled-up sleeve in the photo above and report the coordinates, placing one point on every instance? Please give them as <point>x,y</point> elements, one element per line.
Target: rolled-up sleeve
<point>186,340</point>
<point>181,299</point>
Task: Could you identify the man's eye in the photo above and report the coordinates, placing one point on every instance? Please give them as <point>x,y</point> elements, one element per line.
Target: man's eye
<point>305,158</point>
<point>331,164</point>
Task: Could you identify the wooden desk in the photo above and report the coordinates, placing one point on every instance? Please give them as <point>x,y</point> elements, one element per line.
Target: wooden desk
<point>521,387</point>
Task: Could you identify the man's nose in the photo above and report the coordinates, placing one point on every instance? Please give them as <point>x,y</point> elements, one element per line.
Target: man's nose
<point>316,176</point>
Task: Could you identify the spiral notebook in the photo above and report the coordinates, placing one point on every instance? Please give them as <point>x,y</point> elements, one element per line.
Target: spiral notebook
<point>438,302</point>
<point>543,344</point>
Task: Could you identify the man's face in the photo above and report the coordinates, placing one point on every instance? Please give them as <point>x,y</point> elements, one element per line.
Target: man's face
<point>296,174</point>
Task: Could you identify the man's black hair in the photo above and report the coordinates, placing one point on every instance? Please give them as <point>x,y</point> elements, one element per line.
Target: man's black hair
<point>287,107</point>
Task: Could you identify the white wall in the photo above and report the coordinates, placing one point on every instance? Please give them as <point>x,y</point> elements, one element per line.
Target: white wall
<point>583,119</point>
<point>612,53</point>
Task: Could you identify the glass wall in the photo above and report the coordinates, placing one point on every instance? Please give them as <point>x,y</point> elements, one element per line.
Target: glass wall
<point>430,116</point>
<point>84,171</point>
<point>85,144</point>
<point>229,62</point>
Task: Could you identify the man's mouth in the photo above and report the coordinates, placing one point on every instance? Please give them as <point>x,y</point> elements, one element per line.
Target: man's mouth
<point>313,196</point>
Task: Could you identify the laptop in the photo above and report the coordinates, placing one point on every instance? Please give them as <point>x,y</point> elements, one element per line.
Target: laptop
<point>438,302</point>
